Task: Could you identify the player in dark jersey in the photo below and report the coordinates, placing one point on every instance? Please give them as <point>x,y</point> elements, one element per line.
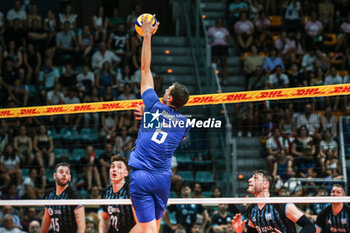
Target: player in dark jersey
<point>186,214</point>
<point>64,218</point>
<point>116,218</point>
<point>150,179</point>
<point>335,217</point>
<point>270,218</point>
<point>222,219</point>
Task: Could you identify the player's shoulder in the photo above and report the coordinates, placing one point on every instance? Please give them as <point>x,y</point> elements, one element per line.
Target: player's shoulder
<point>346,208</point>
<point>126,187</point>
<point>251,207</point>
<point>326,210</point>
<point>150,92</point>
<point>48,192</point>
<point>107,189</point>
<point>72,193</point>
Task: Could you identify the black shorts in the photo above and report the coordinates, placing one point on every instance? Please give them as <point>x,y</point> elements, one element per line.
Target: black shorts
<point>219,51</point>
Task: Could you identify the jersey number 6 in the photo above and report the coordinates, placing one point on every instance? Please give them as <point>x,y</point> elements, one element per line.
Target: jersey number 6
<point>155,136</point>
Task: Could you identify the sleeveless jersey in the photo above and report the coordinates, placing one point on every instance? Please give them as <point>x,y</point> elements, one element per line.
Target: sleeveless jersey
<point>270,218</point>
<point>121,218</point>
<point>330,223</point>
<point>62,217</point>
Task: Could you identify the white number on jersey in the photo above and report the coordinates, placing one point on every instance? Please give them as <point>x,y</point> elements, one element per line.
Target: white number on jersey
<point>155,136</point>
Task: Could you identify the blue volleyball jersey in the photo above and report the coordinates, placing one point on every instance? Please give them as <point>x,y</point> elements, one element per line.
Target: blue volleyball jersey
<point>162,129</point>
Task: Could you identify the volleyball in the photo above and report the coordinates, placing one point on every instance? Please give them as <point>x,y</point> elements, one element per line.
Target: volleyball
<point>139,22</point>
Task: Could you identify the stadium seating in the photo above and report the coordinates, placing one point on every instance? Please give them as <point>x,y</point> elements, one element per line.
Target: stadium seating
<point>77,154</point>
<point>187,176</point>
<point>204,177</point>
<point>61,152</point>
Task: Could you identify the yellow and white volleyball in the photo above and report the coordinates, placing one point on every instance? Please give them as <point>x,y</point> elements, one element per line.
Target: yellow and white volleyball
<point>139,22</point>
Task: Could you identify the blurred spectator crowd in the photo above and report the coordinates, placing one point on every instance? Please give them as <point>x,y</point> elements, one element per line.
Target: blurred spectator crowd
<point>294,44</point>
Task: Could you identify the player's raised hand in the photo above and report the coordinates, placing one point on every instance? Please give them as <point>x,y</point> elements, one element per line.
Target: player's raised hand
<point>147,26</point>
<point>138,112</point>
<point>237,223</point>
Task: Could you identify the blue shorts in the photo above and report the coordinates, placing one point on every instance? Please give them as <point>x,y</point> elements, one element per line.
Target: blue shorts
<point>149,193</point>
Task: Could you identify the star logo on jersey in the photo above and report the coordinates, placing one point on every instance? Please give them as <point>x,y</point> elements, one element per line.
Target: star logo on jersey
<point>151,120</point>
<point>329,222</point>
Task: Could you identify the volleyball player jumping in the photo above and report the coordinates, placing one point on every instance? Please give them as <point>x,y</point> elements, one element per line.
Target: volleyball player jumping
<point>263,217</point>
<point>150,178</point>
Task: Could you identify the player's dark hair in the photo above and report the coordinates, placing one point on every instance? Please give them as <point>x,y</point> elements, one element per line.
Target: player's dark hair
<point>180,95</point>
<point>267,176</point>
<point>64,164</point>
<point>118,157</point>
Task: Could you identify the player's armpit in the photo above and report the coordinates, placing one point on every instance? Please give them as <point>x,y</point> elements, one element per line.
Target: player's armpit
<point>79,213</point>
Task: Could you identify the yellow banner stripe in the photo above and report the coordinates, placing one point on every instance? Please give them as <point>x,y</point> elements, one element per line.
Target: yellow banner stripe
<point>232,97</point>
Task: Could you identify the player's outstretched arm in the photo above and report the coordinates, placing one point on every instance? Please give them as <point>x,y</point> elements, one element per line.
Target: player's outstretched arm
<point>80,219</point>
<point>45,225</point>
<point>146,54</point>
<point>103,225</point>
<point>299,218</point>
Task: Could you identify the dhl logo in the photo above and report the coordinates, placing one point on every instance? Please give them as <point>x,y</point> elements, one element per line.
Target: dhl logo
<point>6,113</point>
<point>287,93</point>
